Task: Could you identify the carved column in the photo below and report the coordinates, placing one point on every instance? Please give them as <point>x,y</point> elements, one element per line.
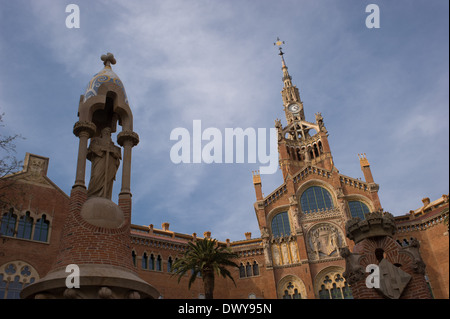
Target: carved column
<point>127,139</point>
<point>83,130</point>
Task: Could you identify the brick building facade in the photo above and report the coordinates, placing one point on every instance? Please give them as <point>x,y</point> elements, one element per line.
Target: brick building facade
<point>302,227</point>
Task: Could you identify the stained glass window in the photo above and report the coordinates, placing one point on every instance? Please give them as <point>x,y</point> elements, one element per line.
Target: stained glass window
<point>41,229</point>
<point>333,286</point>
<point>315,198</point>
<point>8,224</point>
<point>25,226</point>
<point>358,209</point>
<point>14,278</point>
<point>280,225</point>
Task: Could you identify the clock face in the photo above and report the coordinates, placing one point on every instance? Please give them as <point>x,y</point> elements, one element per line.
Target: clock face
<point>294,108</point>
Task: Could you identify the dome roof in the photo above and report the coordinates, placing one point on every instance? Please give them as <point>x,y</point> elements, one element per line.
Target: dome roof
<point>104,76</point>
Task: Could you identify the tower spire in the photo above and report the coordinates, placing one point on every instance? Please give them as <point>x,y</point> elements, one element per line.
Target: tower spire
<point>293,105</point>
<point>287,79</point>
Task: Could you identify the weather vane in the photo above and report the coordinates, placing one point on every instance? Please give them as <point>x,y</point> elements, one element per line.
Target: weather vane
<point>279,43</point>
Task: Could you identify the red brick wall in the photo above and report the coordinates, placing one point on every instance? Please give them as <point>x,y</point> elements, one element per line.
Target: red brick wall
<point>83,243</point>
<point>37,200</point>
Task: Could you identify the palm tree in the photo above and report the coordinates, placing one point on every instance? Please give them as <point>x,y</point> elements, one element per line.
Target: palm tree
<point>205,258</point>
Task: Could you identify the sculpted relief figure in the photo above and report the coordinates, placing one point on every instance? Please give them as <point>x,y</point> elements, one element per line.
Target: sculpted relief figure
<point>105,158</point>
<point>324,241</point>
<point>316,243</point>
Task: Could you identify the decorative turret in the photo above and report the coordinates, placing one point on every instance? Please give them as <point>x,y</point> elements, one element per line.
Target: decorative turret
<point>375,224</point>
<point>365,167</point>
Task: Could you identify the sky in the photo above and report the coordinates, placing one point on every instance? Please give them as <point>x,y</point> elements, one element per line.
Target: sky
<point>382,91</point>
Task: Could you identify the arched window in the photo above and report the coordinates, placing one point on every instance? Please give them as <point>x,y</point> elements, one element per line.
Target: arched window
<point>25,226</point>
<point>241,271</point>
<point>347,291</point>
<point>280,225</point>
<point>291,291</point>
<point>159,263</point>
<point>358,209</point>
<point>8,225</point>
<point>315,198</point>
<point>316,151</point>
<point>145,261</point>
<point>152,262</point>
<point>248,270</point>
<point>133,255</point>
<point>255,269</point>
<point>169,264</point>
<point>335,292</point>
<point>323,293</point>
<point>41,229</point>
<point>320,147</point>
<point>333,286</point>
<point>175,269</point>
<point>14,277</point>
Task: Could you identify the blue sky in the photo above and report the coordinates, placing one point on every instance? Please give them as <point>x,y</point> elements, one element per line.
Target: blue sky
<point>383,92</point>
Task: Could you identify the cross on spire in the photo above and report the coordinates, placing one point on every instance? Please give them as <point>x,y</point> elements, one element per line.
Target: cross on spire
<point>279,43</point>
<point>108,59</point>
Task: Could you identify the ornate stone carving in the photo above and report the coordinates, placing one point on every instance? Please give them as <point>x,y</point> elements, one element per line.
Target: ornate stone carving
<point>105,293</point>
<point>134,295</point>
<point>321,214</point>
<point>354,272</point>
<point>267,253</point>
<point>294,213</point>
<point>127,135</point>
<point>324,240</point>
<point>284,250</point>
<point>418,264</point>
<point>264,233</point>
<point>84,126</point>
<point>36,169</point>
<point>71,293</point>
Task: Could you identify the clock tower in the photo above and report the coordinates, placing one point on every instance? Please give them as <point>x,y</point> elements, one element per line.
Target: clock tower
<point>300,143</point>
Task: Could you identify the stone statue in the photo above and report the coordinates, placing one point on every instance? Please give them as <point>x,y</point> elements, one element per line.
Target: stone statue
<point>316,243</point>
<point>417,264</point>
<point>354,272</point>
<point>105,158</point>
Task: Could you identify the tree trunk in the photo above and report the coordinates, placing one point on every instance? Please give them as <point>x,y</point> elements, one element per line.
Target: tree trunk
<point>208,283</point>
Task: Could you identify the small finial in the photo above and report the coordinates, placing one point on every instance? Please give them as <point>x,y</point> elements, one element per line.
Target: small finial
<point>108,59</point>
